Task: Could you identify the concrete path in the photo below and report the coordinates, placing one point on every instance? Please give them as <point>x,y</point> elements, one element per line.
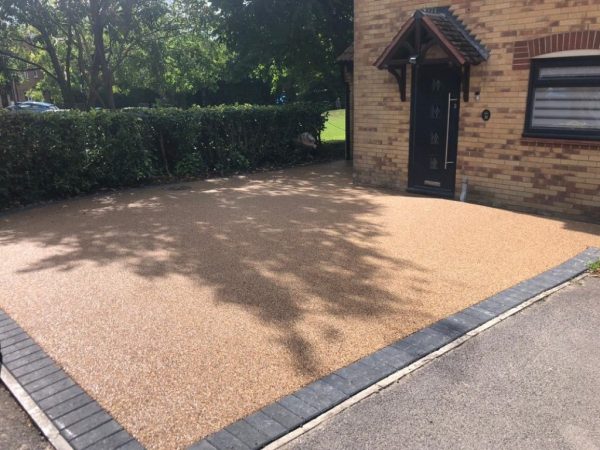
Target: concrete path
<point>532,381</point>
<point>17,432</point>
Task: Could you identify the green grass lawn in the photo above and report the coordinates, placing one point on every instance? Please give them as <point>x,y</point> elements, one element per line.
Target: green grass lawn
<point>335,127</point>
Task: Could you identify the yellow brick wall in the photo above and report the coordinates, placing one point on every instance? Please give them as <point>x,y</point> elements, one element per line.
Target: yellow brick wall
<point>504,169</point>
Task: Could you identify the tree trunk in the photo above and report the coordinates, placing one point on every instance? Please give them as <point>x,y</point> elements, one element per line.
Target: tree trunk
<point>63,84</point>
<point>99,62</point>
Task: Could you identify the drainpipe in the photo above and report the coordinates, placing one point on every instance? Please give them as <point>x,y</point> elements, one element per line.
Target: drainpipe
<point>465,189</point>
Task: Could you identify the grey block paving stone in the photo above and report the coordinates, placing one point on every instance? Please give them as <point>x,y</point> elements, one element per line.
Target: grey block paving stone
<point>9,343</point>
<point>224,440</point>
<point>46,381</point>
<point>248,434</point>
<point>19,352</point>
<point>33,367</point>
<point>341,384</point>
<point>360,375</point>
<point>282,415</point>
<point>96,435</point>
<point>135,445</point>
<point>68,406</point>
<point>77,415</point>
<point>52,389</point>
<point>8,352</point>
<point>465,321</point>
<point>313,399</point>
<point>24,380</point>
<point>202,445</point>
<point>63,396</point>
<point>79,428</point>
<point>333,395</point>
<point>25,359</point>
<point>266,425</point>
<point>112,442</point>
<point>10,332</point>
<point>298,407</point>
<point>423,342</point>
<point>8,325</point>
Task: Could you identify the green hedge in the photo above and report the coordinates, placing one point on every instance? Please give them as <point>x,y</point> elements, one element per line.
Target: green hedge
<point>57,155</point>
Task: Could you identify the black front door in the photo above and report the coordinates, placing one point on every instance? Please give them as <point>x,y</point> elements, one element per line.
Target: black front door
<point>434,129</point>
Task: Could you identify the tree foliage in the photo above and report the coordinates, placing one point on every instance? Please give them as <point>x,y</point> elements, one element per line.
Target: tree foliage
<point>291,43</point>
<point>176,51</point>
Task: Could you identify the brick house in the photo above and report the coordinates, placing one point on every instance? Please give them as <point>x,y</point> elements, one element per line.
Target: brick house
<point>501,94</point>
<point>16,89</point>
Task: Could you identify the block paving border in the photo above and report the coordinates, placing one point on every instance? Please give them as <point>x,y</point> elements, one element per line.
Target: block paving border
<point>295,410</point>
<point>84,424</point>
<point>79,419</point>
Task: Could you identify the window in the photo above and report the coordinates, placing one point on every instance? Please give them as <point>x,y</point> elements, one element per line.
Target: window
<point>564,98</point>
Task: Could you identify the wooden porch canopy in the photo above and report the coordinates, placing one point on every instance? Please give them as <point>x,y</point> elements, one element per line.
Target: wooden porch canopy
<point>429,28</point>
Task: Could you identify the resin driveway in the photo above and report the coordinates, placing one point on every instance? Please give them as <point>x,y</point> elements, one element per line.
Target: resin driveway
<point>184,308</point>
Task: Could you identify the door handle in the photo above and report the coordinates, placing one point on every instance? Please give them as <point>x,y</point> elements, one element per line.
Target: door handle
<point>450,100</point>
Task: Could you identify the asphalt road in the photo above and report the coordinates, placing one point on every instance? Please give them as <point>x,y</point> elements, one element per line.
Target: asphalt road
<point>532,381</point>
<point>17,432</point>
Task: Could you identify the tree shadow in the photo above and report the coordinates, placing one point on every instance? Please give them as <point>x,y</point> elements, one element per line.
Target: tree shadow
<point>278,245</point>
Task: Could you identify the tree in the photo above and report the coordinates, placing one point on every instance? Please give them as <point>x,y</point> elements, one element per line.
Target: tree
<point>78,39</point>
<point>32,31</point>
<point>293,44</point>
<point>186,59</point>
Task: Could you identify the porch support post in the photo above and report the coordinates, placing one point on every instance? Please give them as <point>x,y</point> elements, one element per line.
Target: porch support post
<point>466,82</point>
<point>399,74</point>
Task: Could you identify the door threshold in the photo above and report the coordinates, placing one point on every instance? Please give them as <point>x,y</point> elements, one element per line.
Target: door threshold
<point>431,192</point>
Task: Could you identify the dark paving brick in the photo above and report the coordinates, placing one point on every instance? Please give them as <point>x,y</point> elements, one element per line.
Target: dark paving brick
<point>248,434</point>
<point>59,398</point>
<point>451,329</point>
<point>202,445</point>
<point>32,367</point>
<point>325,390</point>
<point>38,374</point>
<point>266,425</point>
<point>83,426</point>
<point>465,321</point>
<point>69,406</point>
<point>298,407</point>
<point>423,342</point>
<point>399,357</point>
<point>96,435</point>
<point>27,359</point>
<point>8,325</point>
<point>15,343</point>
<point>113,442</point>
<point>18,354</point>
<point>223,440</point>
<point>494,305</point>
<point>46,381</point>
<point>476,311</point>
<point>283,416</point>
<point>79,414</point>
<point>5,334</point>
<point>360,375</point>
<point>312,398</point>
<point>52,389</point>
<point>341,384</point>
<point>135,445</point>
<point>378,365</point>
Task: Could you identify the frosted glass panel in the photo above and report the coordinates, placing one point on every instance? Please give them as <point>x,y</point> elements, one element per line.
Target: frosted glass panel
<point>569,72</point>
<point>576,108</point>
